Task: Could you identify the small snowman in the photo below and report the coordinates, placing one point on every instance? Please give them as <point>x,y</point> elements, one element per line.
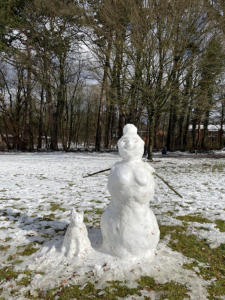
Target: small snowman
<point>76,242</point>
<point>128,225</point>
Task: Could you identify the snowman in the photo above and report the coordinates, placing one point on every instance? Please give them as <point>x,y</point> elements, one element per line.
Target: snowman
<point>128,225</point>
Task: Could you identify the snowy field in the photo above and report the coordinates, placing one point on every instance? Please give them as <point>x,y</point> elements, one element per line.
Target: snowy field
<point>38,192</point>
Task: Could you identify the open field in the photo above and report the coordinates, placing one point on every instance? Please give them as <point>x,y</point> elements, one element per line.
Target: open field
<point>38,191</point>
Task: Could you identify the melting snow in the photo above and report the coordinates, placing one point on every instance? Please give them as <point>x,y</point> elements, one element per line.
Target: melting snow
<point>39,190</point>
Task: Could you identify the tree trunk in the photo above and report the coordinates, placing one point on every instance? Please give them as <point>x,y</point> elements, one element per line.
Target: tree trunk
<point>57,116</point>
<point>222,117</point>
<point>151,119</point>
<point>40,125</point>
<point>205,131</point>
<point>170,143</point>
<point>86,139</point>
<point>98,136</point>
<point>186,128</point>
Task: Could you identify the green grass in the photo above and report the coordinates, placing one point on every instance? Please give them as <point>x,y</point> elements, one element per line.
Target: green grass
<point>202,228</point>
<point>7,273</point>
<point>193,218</point>
<point>167,229</point>
<point>8,239</point>
<point>214,268</point>
<point>28,250</point>
<point>98,211</point>
<point>220,224</point>
<point>119,289</point>
<point>113,291</point>
<point>49,217</point>
<point>93,216</point>
<point>213,260</point>
<point>169,290</point>
<point>3,198</point>
<point>56,206</point>
<point>17,262</point>
<point>4,247</point>
<point>24,281</point>
<point>217,288</point>
<point>218,168</point>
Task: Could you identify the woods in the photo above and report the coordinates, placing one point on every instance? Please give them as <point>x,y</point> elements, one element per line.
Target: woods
<point>72,73</point>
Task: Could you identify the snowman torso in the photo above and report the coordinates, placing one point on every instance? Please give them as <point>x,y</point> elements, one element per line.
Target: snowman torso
<point>131,182</point>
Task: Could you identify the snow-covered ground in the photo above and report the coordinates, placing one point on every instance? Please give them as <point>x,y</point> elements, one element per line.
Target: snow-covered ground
<point>39,190</point>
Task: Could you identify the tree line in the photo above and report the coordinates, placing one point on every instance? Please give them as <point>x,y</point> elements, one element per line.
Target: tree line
<point>72,73</point>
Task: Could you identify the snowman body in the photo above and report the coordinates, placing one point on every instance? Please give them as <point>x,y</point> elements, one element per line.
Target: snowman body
<point>128,225</point>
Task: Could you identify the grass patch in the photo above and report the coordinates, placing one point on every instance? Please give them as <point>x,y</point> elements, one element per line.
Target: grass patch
<point>191,266</point>
<point>118,289</point>
<point>191,246</point>
<point>98,211</point>
<point>212,260</point>
<point>218,168</point>
<point>4,247</point>
<point>86,220</point>
<point>167,229</point>
<point>17,262</point>
<point>29,249</point>
<point>113,291</point>
<point>8,239</point>
<point>55,206</point>
<point>202,228</point>
<point>214,268</point>
<point>24,281</point>
<point>217,288</point>
<point>7,273</point>
<point>14,262</point>
<point>3,198</point>
<point>93,217</point>
<point>49,217</point>
<point>193,218</point>
<point>220,224</point>
<point>47,235</point>
<point>169,290</point>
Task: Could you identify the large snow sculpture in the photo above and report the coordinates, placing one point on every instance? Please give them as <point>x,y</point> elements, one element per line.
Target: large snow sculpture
<point>128,225</point>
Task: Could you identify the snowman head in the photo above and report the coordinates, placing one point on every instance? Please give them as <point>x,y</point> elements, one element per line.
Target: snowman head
<point>131,146</point>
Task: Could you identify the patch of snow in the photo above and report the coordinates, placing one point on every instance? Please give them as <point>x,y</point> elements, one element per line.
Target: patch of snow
<point>39,190</point>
